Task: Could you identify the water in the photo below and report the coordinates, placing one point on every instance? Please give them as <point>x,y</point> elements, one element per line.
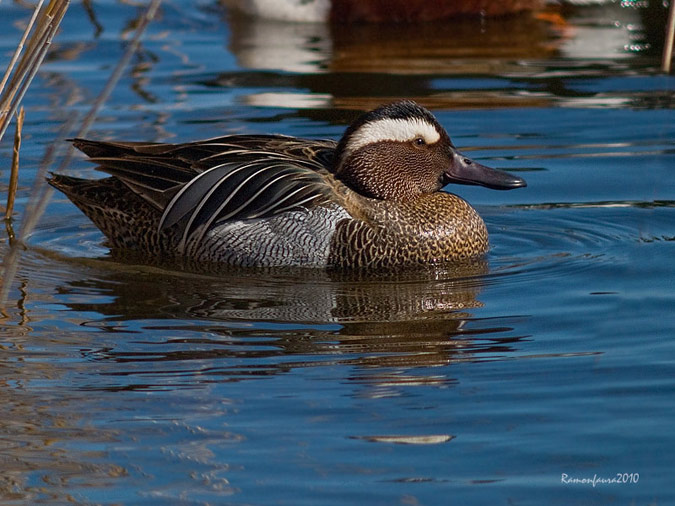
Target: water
<point>498,383</point>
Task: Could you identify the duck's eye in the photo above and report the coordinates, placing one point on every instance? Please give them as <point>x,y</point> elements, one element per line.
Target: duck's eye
<point>419,141</point>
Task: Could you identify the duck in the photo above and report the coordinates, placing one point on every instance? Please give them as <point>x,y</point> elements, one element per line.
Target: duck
<point>373,199</point>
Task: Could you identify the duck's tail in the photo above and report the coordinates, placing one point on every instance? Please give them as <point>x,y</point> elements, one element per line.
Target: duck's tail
<point>127,220</point>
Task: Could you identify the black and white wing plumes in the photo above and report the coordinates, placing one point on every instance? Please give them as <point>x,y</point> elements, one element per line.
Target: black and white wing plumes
<point>198,185</point>
<point>238,191</point>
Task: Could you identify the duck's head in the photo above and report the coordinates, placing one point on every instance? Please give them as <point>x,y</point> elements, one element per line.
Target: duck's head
<point>400,151</point>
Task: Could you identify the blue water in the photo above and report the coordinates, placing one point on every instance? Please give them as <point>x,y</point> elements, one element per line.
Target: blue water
<point>536,377</point>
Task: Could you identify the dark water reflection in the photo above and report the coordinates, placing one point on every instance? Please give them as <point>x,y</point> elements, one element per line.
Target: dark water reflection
<point>404,320</point>
<point>128,383</point>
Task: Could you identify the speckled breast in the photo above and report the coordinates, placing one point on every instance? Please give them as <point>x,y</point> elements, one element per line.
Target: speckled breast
<point>434,228</point>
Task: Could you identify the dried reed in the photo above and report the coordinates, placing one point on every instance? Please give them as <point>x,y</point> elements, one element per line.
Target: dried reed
<point>14,174</point>
<point>40,195</point>
<point>670,40</point>
<point>46,23</point>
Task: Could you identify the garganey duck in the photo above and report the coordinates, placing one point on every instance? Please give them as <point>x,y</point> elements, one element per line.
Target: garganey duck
<point>373,199</point>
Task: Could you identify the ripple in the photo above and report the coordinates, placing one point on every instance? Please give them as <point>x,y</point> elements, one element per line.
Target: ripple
<point>431,439</point>
<point>554,240</point>
<point>550,236</point>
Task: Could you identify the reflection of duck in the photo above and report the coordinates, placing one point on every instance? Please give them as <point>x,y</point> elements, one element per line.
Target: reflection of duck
<point>408,319</point>
<point>372,200</point>
<point>377,11</point>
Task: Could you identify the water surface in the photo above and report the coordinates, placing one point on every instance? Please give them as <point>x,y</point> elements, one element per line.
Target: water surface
<point>499,382</point>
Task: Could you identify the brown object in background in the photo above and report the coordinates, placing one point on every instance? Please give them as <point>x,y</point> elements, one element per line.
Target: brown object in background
<point>381,11</point>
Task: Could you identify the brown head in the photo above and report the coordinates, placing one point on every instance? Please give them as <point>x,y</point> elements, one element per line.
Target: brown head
<point>400,151</point>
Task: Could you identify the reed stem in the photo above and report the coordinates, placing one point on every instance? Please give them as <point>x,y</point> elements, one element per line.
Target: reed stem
<point>14,173</point>
<point>670,39</point>
<point>39,197</point>
<point>20,45</point>
<point>46,26</point>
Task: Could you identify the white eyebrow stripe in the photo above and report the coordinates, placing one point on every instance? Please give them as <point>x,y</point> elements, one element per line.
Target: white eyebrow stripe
<point>392,129</point>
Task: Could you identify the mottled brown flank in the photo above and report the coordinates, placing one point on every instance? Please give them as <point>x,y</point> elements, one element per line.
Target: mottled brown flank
<point>127,220</point>
<point>433,228</point>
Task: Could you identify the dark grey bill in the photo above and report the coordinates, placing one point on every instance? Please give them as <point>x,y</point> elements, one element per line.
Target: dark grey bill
<point>463,170</point>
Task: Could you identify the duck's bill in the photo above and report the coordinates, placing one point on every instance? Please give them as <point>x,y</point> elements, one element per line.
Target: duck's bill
<point>463,170</point>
